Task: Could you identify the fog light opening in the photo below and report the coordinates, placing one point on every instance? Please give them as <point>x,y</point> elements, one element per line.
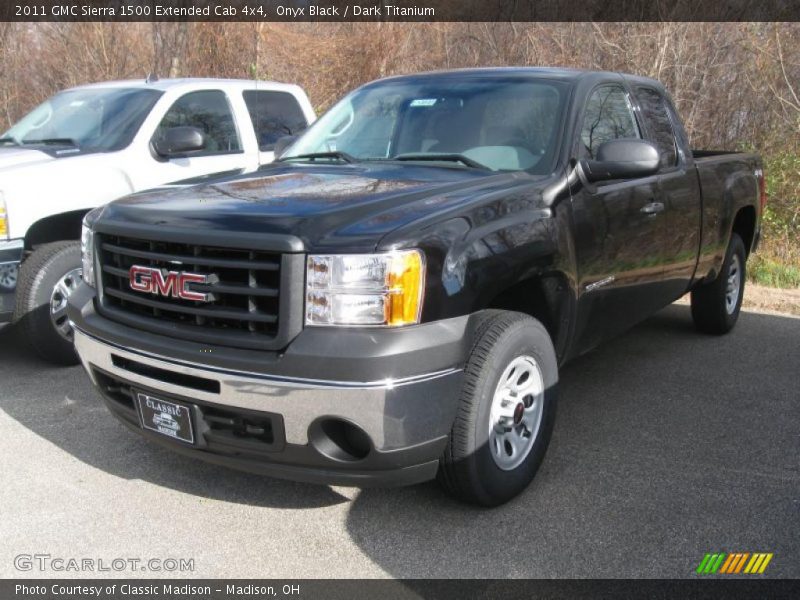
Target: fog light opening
<point>340,440</point>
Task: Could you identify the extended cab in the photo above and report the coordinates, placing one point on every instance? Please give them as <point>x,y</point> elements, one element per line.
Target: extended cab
<point>392,299</point>
<point>89,145</point>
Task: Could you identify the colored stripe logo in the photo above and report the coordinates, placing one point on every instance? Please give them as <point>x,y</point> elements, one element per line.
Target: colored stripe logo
<point>735,563</point>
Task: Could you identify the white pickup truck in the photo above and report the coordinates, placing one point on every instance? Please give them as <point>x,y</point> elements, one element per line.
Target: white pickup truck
<point>92,144</point>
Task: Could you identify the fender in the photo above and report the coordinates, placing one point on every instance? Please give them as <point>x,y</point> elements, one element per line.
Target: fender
<point>506,247</point>
<point>726,188</point>
<point>38,193</point>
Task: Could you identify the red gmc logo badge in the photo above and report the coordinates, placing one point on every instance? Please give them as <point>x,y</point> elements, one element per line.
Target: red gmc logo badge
<point>168,283</point>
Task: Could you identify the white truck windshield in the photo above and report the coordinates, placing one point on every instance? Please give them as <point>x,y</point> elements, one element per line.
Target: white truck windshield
<point>97,119</point>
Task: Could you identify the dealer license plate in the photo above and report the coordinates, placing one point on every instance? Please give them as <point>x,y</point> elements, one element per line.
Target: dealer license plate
<point>165,417</point>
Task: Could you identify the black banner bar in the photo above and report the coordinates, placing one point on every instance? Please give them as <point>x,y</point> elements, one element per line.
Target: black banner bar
<point>388,589</point>
<point>399,10</point>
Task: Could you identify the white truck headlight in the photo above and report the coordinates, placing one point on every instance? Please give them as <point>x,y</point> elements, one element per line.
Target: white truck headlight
<point>383,289</point>
<point>87,253</point>
<point>3,218</point>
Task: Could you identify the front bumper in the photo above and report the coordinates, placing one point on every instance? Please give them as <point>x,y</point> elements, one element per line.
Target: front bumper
<point>11,253</point>
<point>406,416</point>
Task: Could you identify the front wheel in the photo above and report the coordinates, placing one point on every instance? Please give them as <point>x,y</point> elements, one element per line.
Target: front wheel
<point>506,411</point>
<point>716,305</point>
<point>47,279</point>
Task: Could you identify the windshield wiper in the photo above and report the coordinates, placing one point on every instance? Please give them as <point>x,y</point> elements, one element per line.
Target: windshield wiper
<point>314,155</point>
<point>8,140</point>
<point>53,141</point>
<point>445,157</point>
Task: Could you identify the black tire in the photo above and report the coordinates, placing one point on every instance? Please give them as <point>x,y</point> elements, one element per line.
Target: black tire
<point>710,310</point>
<point>37,278</point>
<point>467,470</point>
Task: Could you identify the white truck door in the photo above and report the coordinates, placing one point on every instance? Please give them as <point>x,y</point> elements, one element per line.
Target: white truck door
<point>226,148</point>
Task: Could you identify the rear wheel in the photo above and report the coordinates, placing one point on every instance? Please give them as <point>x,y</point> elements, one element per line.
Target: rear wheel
<point>506,411</point>
<point>47,279</point>
<point>716,305</point>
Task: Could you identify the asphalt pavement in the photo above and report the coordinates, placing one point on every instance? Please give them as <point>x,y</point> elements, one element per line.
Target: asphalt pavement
<point>668,445</point>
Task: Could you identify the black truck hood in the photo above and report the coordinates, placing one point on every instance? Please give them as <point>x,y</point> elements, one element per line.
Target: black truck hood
<point>345,207</point>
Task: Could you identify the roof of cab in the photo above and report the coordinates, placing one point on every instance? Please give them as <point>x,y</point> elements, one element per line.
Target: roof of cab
<point>190,83</point>
<point>560,73</point>
<point>554,72</point>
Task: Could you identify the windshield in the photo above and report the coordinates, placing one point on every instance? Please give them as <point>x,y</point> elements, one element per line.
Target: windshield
<point>98,119</point>
<point>502,124</point>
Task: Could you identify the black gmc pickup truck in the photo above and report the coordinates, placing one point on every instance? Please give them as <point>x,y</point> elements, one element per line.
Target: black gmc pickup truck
<point>391,301</point>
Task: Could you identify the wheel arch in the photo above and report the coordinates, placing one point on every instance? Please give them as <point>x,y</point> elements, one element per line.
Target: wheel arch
<point>744,224</point>
<point>545,297</point>
<point>55,228</point>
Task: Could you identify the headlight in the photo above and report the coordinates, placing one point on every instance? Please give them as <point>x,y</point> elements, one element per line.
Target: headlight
<point>3,218</point>
<point>365,289</point>
<point>87,244</point>
<point>87,253</point>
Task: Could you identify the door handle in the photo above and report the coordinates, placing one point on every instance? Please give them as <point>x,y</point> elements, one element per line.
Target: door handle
<point>653,208</point>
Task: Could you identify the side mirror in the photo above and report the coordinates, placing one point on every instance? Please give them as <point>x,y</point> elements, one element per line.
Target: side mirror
<point>283,143</point>
<point>622,159</point>
<point>178,141</point>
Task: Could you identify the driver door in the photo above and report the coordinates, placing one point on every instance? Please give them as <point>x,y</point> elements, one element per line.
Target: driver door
<point>620,234</point>
<point>209,111</point>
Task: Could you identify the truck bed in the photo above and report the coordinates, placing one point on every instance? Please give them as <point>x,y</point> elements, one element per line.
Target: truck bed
<point>700,154</point>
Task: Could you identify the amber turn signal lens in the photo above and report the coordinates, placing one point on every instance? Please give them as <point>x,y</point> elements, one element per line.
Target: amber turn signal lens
<point>3,218</point>
<point>406,282</point>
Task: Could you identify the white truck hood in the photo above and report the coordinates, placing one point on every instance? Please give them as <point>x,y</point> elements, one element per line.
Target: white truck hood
<point>12,156</point>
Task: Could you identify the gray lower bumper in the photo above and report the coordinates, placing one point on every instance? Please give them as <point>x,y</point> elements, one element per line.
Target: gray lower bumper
<point>11,253</point>
<point>394,413</point>
<point>399,388</point>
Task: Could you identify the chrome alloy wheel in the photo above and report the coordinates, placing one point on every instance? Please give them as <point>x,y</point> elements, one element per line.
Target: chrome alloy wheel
<point>58,302</point>
<point>516,413</point>
<point>734,286</point>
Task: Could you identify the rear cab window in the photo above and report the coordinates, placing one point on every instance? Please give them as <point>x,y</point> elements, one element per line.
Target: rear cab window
<point>273,115</point>
<point>659,125</point>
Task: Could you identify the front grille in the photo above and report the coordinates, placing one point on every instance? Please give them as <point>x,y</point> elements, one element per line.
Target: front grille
<point>245,289</point>
<point>173,377</point>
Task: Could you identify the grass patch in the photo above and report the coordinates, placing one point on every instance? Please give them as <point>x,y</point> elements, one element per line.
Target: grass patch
<point>765,271</point>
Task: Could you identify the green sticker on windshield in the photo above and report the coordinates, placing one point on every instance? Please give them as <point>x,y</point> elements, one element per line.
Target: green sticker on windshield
<point>423,102</point>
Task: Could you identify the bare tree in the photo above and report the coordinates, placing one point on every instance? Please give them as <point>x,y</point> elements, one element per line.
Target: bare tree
<point>737,85</point>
